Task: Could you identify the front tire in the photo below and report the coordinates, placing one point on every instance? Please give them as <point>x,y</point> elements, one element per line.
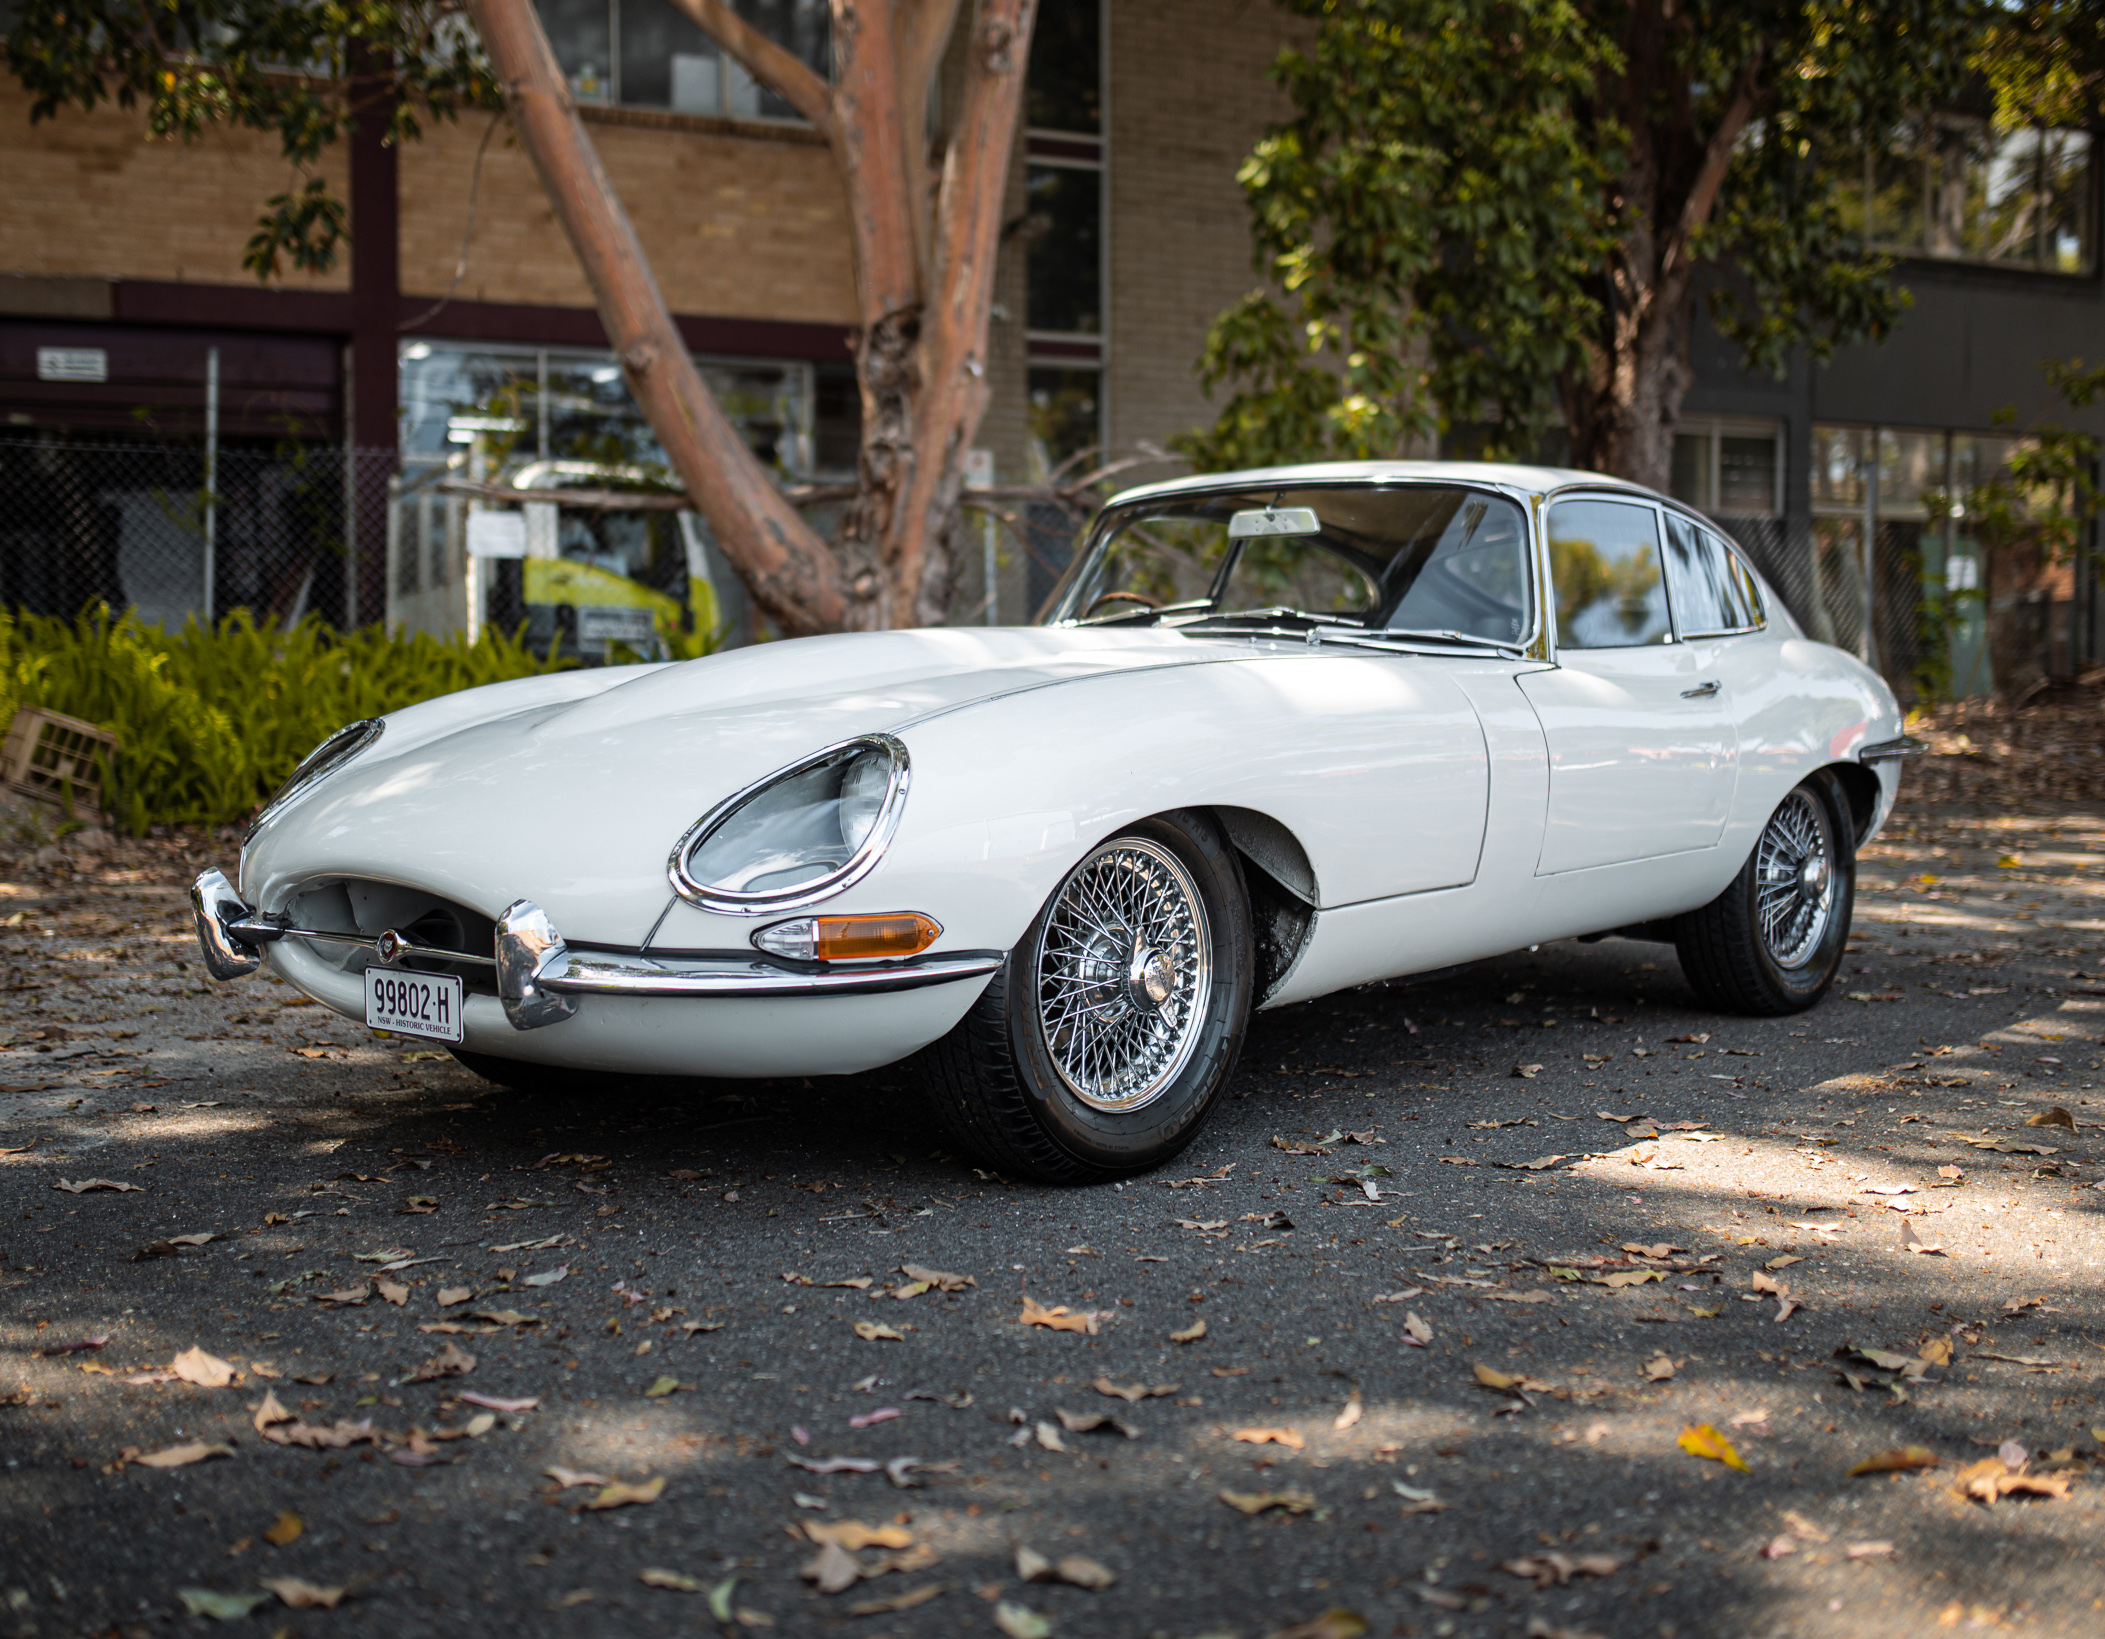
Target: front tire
<point>1101,1044</point>
<point>1772,942</point>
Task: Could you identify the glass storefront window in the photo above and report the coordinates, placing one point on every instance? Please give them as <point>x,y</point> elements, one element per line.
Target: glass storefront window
<point>1065,77</point>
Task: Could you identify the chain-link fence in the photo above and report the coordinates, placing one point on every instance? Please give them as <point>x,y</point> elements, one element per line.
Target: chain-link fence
<point>180,530</point>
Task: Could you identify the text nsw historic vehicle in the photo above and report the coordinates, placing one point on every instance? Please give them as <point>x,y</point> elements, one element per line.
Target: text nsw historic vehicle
<point>1278,733</point>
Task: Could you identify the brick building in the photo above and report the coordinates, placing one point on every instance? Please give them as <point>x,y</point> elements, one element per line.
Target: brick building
<point>124,310</point>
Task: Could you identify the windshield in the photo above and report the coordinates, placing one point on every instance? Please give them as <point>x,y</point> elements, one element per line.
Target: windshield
<point>1418,557</point>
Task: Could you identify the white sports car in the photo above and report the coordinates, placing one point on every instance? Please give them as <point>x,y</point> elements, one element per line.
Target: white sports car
<point>1280,732</point>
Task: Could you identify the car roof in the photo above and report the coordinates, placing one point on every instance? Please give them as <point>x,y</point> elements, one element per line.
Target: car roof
<point>1531,480</point>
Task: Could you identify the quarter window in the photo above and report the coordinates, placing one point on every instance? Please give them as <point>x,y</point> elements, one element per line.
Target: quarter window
<point>1711,592</point>
<point>1604,563</point>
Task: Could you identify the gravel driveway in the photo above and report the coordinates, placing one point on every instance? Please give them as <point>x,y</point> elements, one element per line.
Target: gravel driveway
<point>1532,1302</point>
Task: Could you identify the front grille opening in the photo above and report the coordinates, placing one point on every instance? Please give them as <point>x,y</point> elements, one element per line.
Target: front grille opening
<point>366,908</point>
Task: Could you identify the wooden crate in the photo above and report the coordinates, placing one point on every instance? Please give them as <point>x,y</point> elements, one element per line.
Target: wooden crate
<point>53,758</point>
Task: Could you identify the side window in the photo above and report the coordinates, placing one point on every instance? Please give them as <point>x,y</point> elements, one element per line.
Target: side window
<point>1604,562</point>
<point>1750,588</point>
<point>1711,590</point>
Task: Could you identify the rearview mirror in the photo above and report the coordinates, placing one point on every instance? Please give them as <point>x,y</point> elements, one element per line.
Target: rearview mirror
<point>1292,520</point>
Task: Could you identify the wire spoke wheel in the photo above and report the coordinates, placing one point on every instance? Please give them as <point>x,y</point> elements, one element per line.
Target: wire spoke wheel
<point>1794,881</point>
<point>1124,973</point>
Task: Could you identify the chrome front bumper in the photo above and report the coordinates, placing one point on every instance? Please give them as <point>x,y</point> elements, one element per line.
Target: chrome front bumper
<point>539,977</point>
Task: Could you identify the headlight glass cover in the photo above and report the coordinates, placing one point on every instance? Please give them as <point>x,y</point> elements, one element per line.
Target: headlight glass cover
<point>802,834</point>
<point>324,760</point>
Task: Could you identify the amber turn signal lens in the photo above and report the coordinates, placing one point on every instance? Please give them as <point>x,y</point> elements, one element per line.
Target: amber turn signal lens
<point>849,938</point>
<point>843,938</point>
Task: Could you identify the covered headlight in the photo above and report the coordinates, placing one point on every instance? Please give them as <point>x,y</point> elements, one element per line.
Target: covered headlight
<point>803,833</point>
<point>324,760</point>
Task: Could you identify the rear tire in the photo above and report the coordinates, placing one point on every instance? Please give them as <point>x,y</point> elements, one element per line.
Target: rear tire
<point>1101,1044</point>
<point>1772,942</point>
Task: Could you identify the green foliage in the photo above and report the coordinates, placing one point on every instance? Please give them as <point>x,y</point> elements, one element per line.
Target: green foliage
<point>1487,211</point>
<point>304,69</point>
<point>1431,216</point>
<point>210,721</point>
<point>2045,61</point>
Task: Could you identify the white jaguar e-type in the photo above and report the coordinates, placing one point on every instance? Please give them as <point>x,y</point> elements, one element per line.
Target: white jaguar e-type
<point>1280,732</point>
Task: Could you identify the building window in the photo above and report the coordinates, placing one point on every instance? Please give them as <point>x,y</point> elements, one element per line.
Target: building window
<point>1064,212</point>
<point>1957,189</point>
<point>645,54</point>
<point>1729,469</point>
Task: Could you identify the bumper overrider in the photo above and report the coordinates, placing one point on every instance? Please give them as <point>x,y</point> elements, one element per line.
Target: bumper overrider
<point>540,976</point>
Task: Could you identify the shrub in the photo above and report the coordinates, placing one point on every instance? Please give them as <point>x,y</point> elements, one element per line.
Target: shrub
<point>211,720</point>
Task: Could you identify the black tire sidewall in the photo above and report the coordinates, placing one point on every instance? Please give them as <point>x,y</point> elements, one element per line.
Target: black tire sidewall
<point>1117,1142</point>
<point>1798,988</point>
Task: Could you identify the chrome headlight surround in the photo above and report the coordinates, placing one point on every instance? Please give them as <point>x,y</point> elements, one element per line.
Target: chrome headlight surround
<point>324,760</point>
<point>859,863</point>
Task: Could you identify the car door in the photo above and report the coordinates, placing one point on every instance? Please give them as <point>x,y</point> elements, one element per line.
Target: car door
<point>1641,742</point>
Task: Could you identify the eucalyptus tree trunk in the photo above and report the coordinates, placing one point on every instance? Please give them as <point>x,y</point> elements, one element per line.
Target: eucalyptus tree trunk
<point>925,238</point>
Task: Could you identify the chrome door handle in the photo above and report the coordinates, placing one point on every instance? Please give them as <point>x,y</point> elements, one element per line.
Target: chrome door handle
<point>1702,691</point>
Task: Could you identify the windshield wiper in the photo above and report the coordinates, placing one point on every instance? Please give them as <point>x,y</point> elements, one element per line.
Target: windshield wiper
<point>1462,639</point>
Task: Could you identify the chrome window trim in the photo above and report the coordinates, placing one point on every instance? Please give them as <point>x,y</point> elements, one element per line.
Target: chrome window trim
<point>1533,642</point>
<point>859,865</point>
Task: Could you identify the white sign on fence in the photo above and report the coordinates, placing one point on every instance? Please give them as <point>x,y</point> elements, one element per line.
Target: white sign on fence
<point>496,535</point>
<point>72,364</point>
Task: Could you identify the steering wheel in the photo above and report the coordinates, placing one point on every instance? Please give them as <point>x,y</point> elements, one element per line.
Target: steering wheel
<point>1140,598</point>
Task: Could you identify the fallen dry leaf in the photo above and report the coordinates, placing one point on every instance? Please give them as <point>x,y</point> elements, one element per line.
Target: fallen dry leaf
<point>287,1528</point>
<point>661,1387</point>
<point>1659,1370</point>
<point>832,1569</point>
<point>1189,1334</point>
<point>1701,1440</point>
<point>1527,1072</point>
<point>655,1578</point>
<point>1131,1392</point>
<point>1350,1415</point>
<point>1256,1502</point>
<point>451,1361</point>
<point>493,1403</point>
<point>886,1606</point>
<point>1270,1436</point>
<point>1061,1319</point>
<point>1089,1422</point>
<point>207,1371</point>
<point>86,1184</point>
<point>1867,1550</point>
<point>1899,1460</point>
<point>565,1478</point>
<point>620,1493</point>
<point>940,1280</point>
<point>303,1596</point>
<point>393,1290</point>
<point>852,1534</point>
<point>871,1332</point>
<point>182,1456</point>
<point>1074,1570</point>
<point>1554,1570</point>
<point>450,1295</point>
<point>1335,1623</point>
<point>1415,1331</point>
<point>2055,1117</point>
<point>349,1298</point>
<point>221,1607</point>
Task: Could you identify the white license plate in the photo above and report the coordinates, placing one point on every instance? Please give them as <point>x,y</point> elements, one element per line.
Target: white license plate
<point>413,1004</point>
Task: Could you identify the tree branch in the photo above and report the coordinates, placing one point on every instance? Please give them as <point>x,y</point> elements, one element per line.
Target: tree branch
<point>1717,160</point>
<point>791,574</point>
<point>780,70</point>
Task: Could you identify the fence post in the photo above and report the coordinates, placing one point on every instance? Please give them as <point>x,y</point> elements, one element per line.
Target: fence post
<point>1867,648</point>
<point>211,478</point>
<point>394,545</point>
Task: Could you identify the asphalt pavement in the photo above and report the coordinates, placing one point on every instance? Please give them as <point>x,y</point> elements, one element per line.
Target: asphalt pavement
<point>1536,1301</point>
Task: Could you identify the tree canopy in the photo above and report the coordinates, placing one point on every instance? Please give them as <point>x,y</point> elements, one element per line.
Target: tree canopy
<point>1512,200</point>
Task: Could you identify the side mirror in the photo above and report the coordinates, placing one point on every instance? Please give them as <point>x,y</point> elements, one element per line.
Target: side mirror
<point>1292,520</point>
